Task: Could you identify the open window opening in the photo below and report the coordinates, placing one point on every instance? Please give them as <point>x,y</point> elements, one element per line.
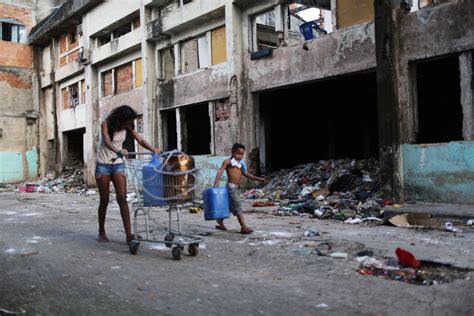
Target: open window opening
<point>12,31</point>
<point>117,29</point>
<point>196,129</point>
<point>440,117</point>
<point>170,135</point>
<point>71,96</point>
<point>195,54</point>
<point>264,31</point>
<point>331,119</point>
<point>73,144</point>
<point>307,22</point>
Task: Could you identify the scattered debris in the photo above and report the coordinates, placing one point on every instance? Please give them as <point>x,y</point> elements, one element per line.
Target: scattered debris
<point>448,226</point>
<point>406,258</point>
<point>338,189</point>
<point>29,254</point>
<point>195,210</point>
<point>409,220</point>
<point>7,312</point>
<point>71,180</point>
<point>339,255</point>
<point>470,222</point>
<point>263,203</point>
<point>312,232</point>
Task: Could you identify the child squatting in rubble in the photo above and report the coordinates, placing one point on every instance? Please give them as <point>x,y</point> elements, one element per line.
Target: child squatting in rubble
<point>235,168</point>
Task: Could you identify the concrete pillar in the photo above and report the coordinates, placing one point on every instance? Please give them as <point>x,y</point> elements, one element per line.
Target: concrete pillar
<point>467,94</point>
<point>93,119</point>
<point>388,63</point>
<point>241,127</point>
<point>150,113</point>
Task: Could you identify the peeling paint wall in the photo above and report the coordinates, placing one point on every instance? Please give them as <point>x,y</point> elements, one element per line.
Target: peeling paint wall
<point>439,172</point>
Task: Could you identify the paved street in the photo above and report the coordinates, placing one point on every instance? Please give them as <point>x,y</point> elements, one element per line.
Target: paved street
<point>50,263</point>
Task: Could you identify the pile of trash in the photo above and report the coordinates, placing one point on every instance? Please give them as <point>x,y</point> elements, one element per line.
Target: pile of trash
<point>71,180</point>
<point>341,189</point>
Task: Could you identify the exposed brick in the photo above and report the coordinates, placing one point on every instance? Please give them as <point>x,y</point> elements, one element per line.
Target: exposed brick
<point>21,14</point>
<point>16,80</point>
<point>62,61</point>
<point>73,56</point>
<point>124,75</point>
<point>16,55</point>
<point>107,87</point>
<point>62,44</point>
<point>65,98</point>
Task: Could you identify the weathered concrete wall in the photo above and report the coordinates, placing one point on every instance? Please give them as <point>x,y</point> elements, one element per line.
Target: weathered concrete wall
<point>201,86</point>
<point>133,98</point>
<point>340,52</point>
<point>439,172</point>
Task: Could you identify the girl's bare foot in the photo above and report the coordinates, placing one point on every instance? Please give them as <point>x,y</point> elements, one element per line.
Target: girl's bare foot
<point>221,227</point>
<point>102,237</point>
<point>246,230</point>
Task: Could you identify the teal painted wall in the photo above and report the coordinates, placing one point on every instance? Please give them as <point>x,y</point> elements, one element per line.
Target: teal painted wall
<point>32,161</point>
<point>441,173</point>
<point>12,167</point>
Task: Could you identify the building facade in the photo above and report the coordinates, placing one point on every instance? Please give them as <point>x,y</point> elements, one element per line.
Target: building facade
<point>384,79</point>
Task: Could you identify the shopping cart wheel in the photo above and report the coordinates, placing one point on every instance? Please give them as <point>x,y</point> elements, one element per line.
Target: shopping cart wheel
<point>169,237</point>
<point>134,247</point>
<point>177,252</point>
<point>193,250</point>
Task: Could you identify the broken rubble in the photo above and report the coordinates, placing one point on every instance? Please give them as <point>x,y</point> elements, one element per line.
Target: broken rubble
<point>338,189</point>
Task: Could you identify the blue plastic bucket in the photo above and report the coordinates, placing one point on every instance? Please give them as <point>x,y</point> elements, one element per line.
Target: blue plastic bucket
<point>216,203</point>
<point>153,190</point>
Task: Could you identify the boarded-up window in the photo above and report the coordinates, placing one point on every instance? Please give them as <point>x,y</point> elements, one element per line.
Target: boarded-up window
<point>138,73</point>
<point>203,52</point>
<point>354,12</point>
<point>83,91</point>
<point>167,63</point>
<point>124,78</point>
<point>63,44</point>
<point>189,56</point>
<point>219,46</point>
<point>107,83</point>
<point>65,98</point>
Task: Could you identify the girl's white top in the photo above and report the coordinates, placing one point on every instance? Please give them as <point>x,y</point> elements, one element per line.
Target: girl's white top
<point>105,155</point>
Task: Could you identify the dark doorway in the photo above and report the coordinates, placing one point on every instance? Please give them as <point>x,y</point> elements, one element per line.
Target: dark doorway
<point>196,129</point>
<point>330,119</point>
<point>74,146</point>
<point>169,130</point>
<point>440,117</point>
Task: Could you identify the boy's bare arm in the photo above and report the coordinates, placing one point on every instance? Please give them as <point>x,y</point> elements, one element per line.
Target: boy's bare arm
<point>221,170</point>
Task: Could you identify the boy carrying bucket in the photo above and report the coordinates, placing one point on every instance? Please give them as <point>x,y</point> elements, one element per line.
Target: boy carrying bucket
<point>235,168</point>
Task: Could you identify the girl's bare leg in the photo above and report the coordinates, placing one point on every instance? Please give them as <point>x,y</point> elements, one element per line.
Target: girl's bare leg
<point>103,182</point>
<point>120,183</point>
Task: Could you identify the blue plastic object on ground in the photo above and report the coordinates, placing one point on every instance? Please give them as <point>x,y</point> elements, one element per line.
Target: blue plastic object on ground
<point>307,30</point>
<point>153,183</point>
<point>216,203</point>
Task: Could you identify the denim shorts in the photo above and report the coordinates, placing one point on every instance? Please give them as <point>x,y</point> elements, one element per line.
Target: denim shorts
<point>108,169</point>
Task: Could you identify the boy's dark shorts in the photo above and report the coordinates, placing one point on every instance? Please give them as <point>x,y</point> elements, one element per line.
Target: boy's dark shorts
<point>235,204</point>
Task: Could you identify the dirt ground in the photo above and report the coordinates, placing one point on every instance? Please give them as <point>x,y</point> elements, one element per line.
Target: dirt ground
<point>51,264</point>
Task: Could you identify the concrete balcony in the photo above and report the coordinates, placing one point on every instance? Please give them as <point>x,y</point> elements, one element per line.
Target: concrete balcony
<point>119,46</point>
<point>341,52</point>
<point>68,70</point>
<point>73,118</point>
<point>200,86</point>
<point>185,17</point>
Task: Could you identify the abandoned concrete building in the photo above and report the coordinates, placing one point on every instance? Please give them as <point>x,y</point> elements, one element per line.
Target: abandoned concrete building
<point>391,80</point>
